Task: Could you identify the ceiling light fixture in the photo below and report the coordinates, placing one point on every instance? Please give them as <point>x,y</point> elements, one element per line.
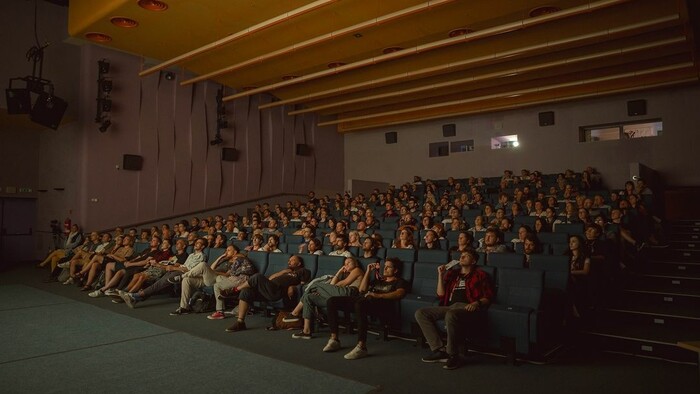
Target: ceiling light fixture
<point>544,10</point>
<point>336,64</point>
<point>459,32</point>
<point>389,50</point>
<point>124,22</point>
<point>98,37</point>
<point>153,5</point>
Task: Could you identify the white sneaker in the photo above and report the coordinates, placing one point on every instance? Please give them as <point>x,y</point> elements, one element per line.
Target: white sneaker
<point>96,293</point>
<point>332,345</point>
<point>111,293</point>
<point>69,281</point>
<point>356,353</point>
<point>64,265</point>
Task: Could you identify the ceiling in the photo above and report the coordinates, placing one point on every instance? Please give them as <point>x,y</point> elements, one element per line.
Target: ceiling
<point>365,64</point>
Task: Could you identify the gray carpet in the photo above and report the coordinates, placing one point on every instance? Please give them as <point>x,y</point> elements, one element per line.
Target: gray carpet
<point>54,344</point>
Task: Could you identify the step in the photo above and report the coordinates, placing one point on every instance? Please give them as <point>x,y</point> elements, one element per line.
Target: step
<point>676,280</point>
<point>643,341</point>
<point>684,245</point>
<point>674,267</point>
<point>685,237</point>
<point>673,316</point>
<point>660,296</point>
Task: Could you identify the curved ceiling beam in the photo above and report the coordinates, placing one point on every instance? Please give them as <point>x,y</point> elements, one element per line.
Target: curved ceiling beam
<point>320,39</point>
<point>473,61</point>
<point>489,32</point>
<point>494,75</point>
<point>522,105</point>
<point>513,94</point>
<point>235,36</point>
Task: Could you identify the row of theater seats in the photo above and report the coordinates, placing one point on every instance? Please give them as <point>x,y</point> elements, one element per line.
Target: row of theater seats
<point>518,311</point>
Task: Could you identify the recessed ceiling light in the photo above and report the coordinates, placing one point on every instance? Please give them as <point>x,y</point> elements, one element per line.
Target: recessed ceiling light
<point>544,10</point>
<point>459,32</point>
<point>289,77</point>
<point>121,21</point>
<point>153,5</point>
<point>357,35</point>
<point>336,64</point>
<point>98,37</point>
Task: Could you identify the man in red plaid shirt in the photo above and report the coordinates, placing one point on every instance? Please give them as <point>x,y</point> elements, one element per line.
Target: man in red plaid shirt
<point>465,293</point>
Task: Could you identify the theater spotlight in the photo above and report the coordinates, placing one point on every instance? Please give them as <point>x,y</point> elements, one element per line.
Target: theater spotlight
<point>106,85</point>
<point>216,141</point>
<point>105,125</point>
<point>106,105</point>
<point>103,66</point>
<point>19,101</point>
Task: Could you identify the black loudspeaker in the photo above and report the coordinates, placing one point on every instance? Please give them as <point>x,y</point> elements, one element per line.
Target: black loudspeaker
<point>229,154</point>
<point>546,118</point>
<point>303,150</point>
<point>48,110</point>
<point>449,130</point>
<point>636,107</point>
<point>391,137</point>
<point>132,162</point>
<point>18,101</point>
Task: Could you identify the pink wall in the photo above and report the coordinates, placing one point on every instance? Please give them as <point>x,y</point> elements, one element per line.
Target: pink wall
<point>171,126</point>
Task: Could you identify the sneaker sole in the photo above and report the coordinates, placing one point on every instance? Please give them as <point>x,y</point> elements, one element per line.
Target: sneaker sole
<point>442,360</point>
<point>215,318</point>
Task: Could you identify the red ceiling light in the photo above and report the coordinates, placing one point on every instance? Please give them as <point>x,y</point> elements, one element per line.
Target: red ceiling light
<point>121,21</point>
<point>389,50</point>
<point>153,5</point>
<point>459,32</point>
<point>289,77</point>
<point>336,64</point>
<point>544,10</point>
<point>98,37</point>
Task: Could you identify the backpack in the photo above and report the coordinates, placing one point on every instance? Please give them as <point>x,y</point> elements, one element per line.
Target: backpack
<point>202,302</point>
<point>278,324</point>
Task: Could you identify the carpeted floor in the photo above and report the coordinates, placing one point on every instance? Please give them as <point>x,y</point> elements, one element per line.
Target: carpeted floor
<point>150,350</point>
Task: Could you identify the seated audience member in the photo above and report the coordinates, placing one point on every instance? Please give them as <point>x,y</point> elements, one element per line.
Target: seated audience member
<point>204,274</point>
<point>73,240</point>
<point>506,225</point>
<point>426,223</point>
<point>378,297</point>
<point>464,242</point>
<point>492,242</point>
<point>256,243</point>
<point>274,288</point>
<point>523,231</point>
<point>157,264</point>
<point>115,270</point>
<point>478,225</point>
<point>531,245</point>
<point>120,253</point>
<point>80,255</point>
<point>172,275</point>
<point>102,248</point>
<point>220,241</point>
<point>369,248</point>
<point>341,247</point>
<point>344,283</point>
<point>405,240</point>
<point>354,239</point>
<point>307,232</point>
<point>272,244</point>
<point>431,241</point>
<point>580,269</point>
<point>407,220</point>
<point>465,294</point>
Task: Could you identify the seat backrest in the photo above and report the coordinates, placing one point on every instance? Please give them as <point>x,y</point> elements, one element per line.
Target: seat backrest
<point>506,260</point>
<point>310,262</point>
<point>559,249</point>
<point>569,228</point>
<point>259,260</point>
<point>214,253</point>
<point>327,249</point>
<point>355,250</point>
<point>386,233</point>
<point>424,279</point>
<point>276,262</point>
<point>556,270</point>
<point>405,255</point>
<point>140,247</point>
<point>491,271</point>
<point>520,287</point>
<point>526,220</point>
<point>433,256</point>
<point>452,236</point>
<point>241,245</point>
<point>381,253</point>
<point>294,239</point>
<point>553,238</point>
<point>329,265</point>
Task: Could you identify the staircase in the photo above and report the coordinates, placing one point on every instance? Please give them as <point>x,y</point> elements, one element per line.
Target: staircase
<point>658,304</point>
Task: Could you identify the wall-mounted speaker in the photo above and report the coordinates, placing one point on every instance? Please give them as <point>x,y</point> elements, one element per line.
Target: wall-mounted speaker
<point>229,154</point>
<point>449,130</point>
<point>303,150</point>
<point>636,107</point>
<point>391,137</point>
<point>546,118</point>
<point>48,110</point>
<point>132,162</point>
